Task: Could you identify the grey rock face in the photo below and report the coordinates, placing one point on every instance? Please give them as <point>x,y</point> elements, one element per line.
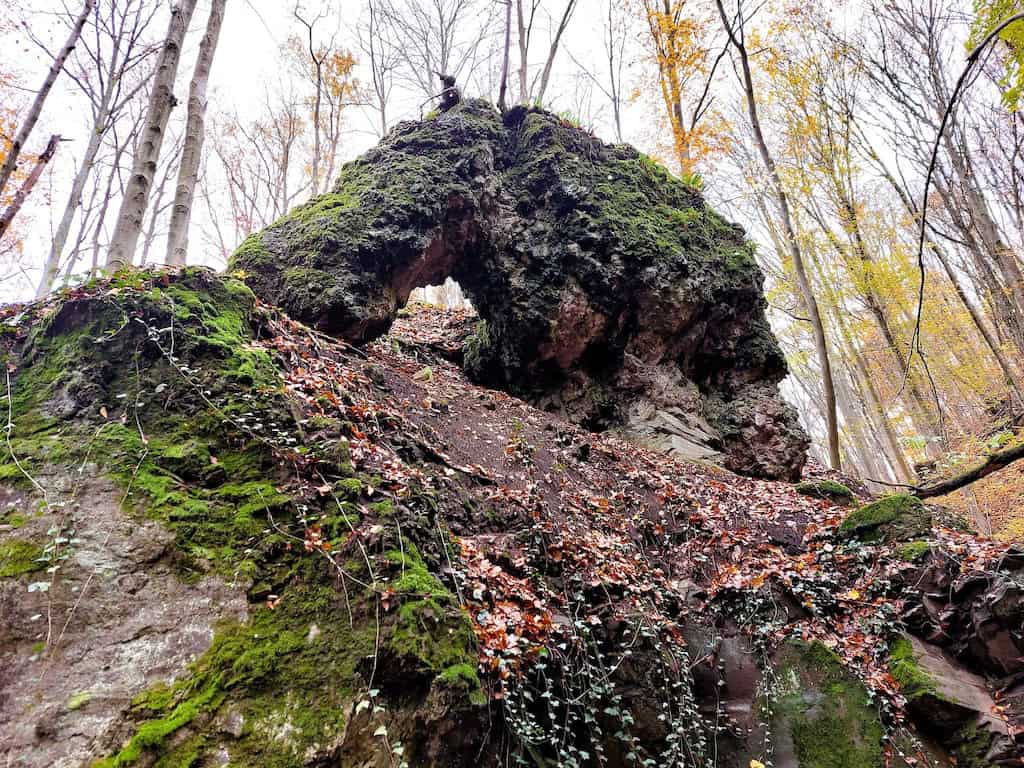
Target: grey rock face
<point>116,620</point>
<point>609,291</point>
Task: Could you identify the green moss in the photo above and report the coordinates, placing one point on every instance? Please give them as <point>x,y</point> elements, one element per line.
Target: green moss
<point>894,518</point>
<point>462,679</point>
<point>78,700</point>
<point>827,711</point>
<point>189,453</point>
<point>272,668</point>
<point>20,556</point>
<point>972,744</point>
<point>152,734</point>
<point>914,681</point>
<point>825,489</point>
<point>431,627</point>
<point>350,488</point>
<point>913,551</point>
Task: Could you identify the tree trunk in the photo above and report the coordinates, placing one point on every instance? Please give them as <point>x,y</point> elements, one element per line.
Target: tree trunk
<point>570,6</point>
<point>820,342</point>
<point>60,237</point>
<point>26,188</point>
<point>524,46</point>
<point>11,161</point>
<point>144,163</point>
<point>195,133</point>
<point>987,466</point>
<point>503,88</point>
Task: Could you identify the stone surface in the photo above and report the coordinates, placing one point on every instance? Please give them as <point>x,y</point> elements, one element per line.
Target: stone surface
<point>953,704</point>
<point>609,291</point>
<point>457,518</point>
<point>117,620</point>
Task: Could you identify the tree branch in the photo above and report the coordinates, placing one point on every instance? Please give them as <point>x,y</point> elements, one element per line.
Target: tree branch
<point>984,468</point>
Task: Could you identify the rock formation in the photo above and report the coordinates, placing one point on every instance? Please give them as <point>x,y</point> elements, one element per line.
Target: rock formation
<point>609,291</point>
<point>228,539</point>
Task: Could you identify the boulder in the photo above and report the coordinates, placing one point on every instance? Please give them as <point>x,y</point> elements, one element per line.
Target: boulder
<point>899,517</point>
<point>609,291</point>
<point>951,703</point>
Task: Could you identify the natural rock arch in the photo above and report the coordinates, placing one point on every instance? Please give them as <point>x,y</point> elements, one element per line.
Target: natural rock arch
<point>608,290</point>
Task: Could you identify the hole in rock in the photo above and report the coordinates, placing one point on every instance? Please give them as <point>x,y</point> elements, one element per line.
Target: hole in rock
<point>448,295</point>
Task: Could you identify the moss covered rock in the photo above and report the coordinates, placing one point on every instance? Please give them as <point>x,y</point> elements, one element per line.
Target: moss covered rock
<point>824,717</point>
<point>151,392</point>
<point>610,290</point>
<point>826,489</point>
<point>899,517</point>
<point>952,705</point>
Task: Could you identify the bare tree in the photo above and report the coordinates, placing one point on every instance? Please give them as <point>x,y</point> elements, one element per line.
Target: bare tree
<point>36,108</point>
<point>736,33</point>
<point>524,28</point>
<point>195,133</point>
<point>556,39</point>
<point>26,187</point>
<point>503,88</point>
<point>158,206</point>
<point>615,38</point>
<point>105,70</point>
<point>534,90</point>
<point>317,58</point>
<point>381,58</point>
<point>262,162</point>
<point>147,152</point>
<point>433,36</point>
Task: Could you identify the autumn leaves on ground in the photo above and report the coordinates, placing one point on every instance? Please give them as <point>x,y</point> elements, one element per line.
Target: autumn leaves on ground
<point>441,574</point>
<point>808,125</point>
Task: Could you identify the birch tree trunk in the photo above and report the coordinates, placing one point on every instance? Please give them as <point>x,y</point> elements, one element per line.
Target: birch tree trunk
<point>161,101</point>
<point>11,161</point>
<point>820,343</point>
<point>195,133</point>
<point>26,188</point>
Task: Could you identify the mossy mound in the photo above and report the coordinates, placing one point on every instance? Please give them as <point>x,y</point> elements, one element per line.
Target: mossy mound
<point>826,489</point>
<point>605,284</point>
<point>899,517</point>
<point>823,712</point>
<point>157,381</point>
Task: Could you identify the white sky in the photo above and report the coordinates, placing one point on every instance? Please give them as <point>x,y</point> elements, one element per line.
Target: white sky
<point>247,64</point>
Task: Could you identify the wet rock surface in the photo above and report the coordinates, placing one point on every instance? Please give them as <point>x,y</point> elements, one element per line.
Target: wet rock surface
<point>609,292</point>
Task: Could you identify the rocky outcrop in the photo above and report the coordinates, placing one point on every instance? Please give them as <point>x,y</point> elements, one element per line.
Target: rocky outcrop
<point>114,618</point>
<point>609,291</point>
<point>229,539</point>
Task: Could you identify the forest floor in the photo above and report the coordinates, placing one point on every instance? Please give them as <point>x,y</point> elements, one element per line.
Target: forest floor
<point>651,532</point>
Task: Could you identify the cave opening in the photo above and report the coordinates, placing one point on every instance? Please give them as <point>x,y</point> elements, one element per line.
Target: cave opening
<point>446,295</point>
